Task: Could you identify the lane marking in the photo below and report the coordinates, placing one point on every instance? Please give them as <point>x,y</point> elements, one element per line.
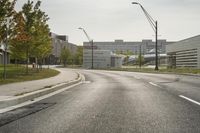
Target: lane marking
<point>193,101</point>
<point>137,78</point>
<point>86,82</point>
<point>154,84</point>
<point>4,110</point>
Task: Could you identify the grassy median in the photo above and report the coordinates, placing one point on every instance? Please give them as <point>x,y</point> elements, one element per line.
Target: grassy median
<point>18,74</point>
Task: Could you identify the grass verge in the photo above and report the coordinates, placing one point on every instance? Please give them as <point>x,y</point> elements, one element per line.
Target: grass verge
<point>151,70</point>
<point>18,74</point>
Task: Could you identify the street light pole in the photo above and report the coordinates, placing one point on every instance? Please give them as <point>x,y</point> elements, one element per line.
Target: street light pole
<point>91,43</point>
<point>140,57</point>
<point>156,49</point>
<point>154,25</point>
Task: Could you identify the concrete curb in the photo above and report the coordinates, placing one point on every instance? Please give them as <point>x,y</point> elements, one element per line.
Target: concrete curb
<point>35,94</point>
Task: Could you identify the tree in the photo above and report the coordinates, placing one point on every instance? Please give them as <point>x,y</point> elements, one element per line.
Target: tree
<point>78,57</point>
<point>32,33</point>
<point>21,38</point>
<point>140,60</point>
<point>29,17</point>
<point>65,55</point>
<point>127,53</point>
<point>6,11</point>
<point>41,39</point>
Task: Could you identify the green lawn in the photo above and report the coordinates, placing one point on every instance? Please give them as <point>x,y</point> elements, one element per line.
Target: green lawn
<point>18,74</point>
<point>161,70</point>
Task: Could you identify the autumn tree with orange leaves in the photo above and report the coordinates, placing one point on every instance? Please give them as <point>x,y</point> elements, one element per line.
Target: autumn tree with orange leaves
<point>31,33</point>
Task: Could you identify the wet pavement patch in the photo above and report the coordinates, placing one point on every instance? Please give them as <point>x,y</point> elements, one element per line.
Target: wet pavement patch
<point>16,114</point>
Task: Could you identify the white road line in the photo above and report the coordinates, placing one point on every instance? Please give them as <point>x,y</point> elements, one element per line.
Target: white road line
<point>137,78</point>
<point>189,99</point>
<point>37,99</point>
<point>154,84</point>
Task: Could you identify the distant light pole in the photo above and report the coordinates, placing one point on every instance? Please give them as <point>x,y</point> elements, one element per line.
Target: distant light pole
<point>5,48</point>
<point>154,25</point>
<point>140,57</point>
<point>91,42</point>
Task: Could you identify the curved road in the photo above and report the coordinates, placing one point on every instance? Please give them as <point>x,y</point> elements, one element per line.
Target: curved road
<point>114,102</point>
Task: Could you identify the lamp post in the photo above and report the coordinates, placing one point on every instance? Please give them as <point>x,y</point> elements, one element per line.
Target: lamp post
<point>5,48</point>
<point>140,57</point>
<point>154,25</point>
<point>91,43</point>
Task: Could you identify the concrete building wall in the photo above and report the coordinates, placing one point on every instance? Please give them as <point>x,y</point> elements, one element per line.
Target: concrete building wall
<point>199,57</point>
<point>101,58</point>
<point>1,57</point>
<point>116,61</point>
<point>120,46</point>
<point>147,46</point>
<point>2,54</point>
<point>72,47</point>
<point>185,53</point>
<point>58,43</point>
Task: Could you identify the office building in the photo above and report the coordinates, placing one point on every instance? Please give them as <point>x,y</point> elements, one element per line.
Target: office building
<point>185,53</point>
<point>120,47</point>
<point>58,43</point>
<point>101,59</point>
<point>2,55</point>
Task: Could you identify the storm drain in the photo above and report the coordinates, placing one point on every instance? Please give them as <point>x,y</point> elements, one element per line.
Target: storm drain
<point>19,113</point>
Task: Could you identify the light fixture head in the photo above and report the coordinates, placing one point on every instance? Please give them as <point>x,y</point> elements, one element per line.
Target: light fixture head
<point>135,3</point>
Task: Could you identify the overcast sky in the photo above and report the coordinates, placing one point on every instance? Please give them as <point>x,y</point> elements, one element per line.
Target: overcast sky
<point>107,20</point>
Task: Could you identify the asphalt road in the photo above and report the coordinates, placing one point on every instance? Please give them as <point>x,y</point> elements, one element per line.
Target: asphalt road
<point>114,102</point>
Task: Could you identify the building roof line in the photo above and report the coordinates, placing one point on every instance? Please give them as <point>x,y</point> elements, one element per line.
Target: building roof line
<point>189,38</point>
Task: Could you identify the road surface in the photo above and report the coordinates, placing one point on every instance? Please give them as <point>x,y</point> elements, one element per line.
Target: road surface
<point>114,102</point>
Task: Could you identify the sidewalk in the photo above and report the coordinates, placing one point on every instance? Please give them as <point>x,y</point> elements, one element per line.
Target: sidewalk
<point>10,91</point>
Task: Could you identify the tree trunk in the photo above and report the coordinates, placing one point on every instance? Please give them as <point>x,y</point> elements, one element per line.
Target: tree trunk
<point>27,61</point>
